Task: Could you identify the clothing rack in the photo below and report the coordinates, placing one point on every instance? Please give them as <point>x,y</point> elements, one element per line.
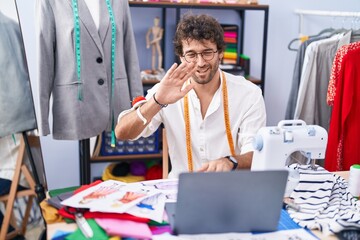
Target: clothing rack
<point>302,12</point>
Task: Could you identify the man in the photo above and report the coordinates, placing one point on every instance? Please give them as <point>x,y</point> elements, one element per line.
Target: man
<point>210,116</point>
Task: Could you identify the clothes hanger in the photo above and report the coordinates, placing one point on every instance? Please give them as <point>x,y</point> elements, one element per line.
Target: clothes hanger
<point>306,37</point>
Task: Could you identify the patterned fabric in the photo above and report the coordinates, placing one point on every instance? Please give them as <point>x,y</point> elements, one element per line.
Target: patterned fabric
<point>342,149</point>
<point>325,201</point>
<point>336,69</point>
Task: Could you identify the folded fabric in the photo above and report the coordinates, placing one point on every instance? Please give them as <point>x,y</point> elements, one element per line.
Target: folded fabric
<point>88,214</point>
<point>99,233</point>
<point>49,213</point>
<point>325,201</point>
<point>125,228</point>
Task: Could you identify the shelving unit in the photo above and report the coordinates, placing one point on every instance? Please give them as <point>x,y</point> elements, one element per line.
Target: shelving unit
<point>240,9</point>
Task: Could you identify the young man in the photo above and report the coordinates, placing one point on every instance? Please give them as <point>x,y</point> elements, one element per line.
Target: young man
<point>210,117</point>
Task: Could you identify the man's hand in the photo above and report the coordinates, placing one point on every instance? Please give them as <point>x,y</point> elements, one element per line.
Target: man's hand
<point>219,165</point>
<point>223,164</point>
<point>171,88</point>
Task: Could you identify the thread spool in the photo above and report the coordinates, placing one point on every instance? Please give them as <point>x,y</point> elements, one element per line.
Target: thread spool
<point>354,180</point>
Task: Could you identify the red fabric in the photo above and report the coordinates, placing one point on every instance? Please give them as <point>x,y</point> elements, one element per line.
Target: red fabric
<point>343,148</point>
<point>87,214</point>
<point>62,212</point>
<point>155,172</point>
<point>84,187</point>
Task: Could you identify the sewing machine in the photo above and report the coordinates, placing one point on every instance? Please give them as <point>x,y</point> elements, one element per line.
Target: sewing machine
<point>273,145</point>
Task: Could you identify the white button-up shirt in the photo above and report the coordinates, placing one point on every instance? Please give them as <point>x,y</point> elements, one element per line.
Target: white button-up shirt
<point>208,136</point>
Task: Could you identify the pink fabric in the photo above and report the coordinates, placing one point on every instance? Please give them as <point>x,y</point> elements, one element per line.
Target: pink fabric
<point>124,228</point>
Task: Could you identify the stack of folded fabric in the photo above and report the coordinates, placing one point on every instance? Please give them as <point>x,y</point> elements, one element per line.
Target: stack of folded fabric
<point>231,40</point>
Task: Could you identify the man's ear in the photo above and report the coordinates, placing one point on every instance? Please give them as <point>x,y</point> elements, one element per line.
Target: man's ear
<point>221,55</point>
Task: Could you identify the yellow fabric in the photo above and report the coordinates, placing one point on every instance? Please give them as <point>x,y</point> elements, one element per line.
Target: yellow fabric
<point>50,214</point>
<point>115,238</point>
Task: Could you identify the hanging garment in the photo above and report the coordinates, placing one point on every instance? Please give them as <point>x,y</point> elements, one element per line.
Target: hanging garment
<point>343,141</point>
<point>311,103</point>
<point>75,119</point>
<point>291,105</point>
<point>17,112</point>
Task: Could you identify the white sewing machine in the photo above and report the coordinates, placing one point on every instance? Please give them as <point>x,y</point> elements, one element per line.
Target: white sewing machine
<point>273,145</point>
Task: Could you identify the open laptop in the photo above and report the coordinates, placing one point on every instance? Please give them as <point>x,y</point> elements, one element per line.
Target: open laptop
<point>221,202</point>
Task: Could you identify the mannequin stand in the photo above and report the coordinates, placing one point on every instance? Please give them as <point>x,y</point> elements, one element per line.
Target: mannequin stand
<point>84,155</point>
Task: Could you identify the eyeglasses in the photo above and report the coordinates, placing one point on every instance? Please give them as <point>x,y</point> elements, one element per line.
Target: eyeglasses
<point>207,55</point>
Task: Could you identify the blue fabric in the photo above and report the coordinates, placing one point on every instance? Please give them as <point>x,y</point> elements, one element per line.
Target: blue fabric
<point>4,189</point>
<point>5,185</point>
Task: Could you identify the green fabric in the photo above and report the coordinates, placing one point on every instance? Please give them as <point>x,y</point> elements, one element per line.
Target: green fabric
<point>99,233</point>
<point>55,192</point>
<point>231,50</point>
<point>154,223</point>
<point>231,45</point>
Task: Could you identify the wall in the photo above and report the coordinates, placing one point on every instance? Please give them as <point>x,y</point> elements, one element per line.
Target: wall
<point>283,27</point>
<point>62,156</point>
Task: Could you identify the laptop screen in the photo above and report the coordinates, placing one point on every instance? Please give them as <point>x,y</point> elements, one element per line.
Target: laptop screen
<point>220,202</point>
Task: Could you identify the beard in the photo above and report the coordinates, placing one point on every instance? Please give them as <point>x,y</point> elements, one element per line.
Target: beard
<point>202,77</point>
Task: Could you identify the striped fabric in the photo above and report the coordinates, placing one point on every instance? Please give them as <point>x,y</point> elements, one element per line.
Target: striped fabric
<point>324,200</point>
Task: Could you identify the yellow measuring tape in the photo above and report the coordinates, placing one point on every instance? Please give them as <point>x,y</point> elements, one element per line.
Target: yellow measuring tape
<point>226,120</point>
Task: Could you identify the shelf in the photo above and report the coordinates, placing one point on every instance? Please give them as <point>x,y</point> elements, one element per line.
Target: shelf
<point>125,157</point>
<point>230,6</point>
<point>240,9</point>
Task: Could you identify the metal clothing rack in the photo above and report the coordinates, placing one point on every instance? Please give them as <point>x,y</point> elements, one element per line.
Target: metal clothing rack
<point>302,12</point>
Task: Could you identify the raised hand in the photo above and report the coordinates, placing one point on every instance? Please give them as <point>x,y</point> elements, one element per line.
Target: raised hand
<point>174,85</point>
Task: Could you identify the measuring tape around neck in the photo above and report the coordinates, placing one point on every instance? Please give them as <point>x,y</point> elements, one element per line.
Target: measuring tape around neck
<point>77,41</point>
<point>226,120</point>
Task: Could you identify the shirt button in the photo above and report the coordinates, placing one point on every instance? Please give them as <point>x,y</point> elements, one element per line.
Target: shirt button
<point>101,81</point>
<point>201,149</point>
<point>99,60</point>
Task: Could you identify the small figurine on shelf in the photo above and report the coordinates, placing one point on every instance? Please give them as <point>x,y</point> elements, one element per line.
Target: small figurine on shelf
<point>153,40</point>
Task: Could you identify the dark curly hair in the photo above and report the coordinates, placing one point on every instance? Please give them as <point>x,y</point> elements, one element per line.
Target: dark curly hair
<point>198,27</point>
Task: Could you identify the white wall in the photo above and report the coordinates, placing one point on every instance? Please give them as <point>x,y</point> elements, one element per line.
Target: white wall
<point>283,27</point>
<point>62,157</point>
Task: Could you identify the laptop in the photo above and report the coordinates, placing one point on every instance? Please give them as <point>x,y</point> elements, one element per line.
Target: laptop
<point>222,202</point>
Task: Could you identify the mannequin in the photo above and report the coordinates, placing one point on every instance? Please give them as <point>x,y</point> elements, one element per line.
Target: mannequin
<point>156,34</point>
<point>16,104</point>
<point>92,83</point>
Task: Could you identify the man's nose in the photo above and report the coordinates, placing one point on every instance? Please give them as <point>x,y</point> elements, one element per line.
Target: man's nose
<point>200,60</point>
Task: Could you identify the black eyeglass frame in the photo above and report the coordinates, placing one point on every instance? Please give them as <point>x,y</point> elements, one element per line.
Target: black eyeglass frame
<point>201,53</point>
